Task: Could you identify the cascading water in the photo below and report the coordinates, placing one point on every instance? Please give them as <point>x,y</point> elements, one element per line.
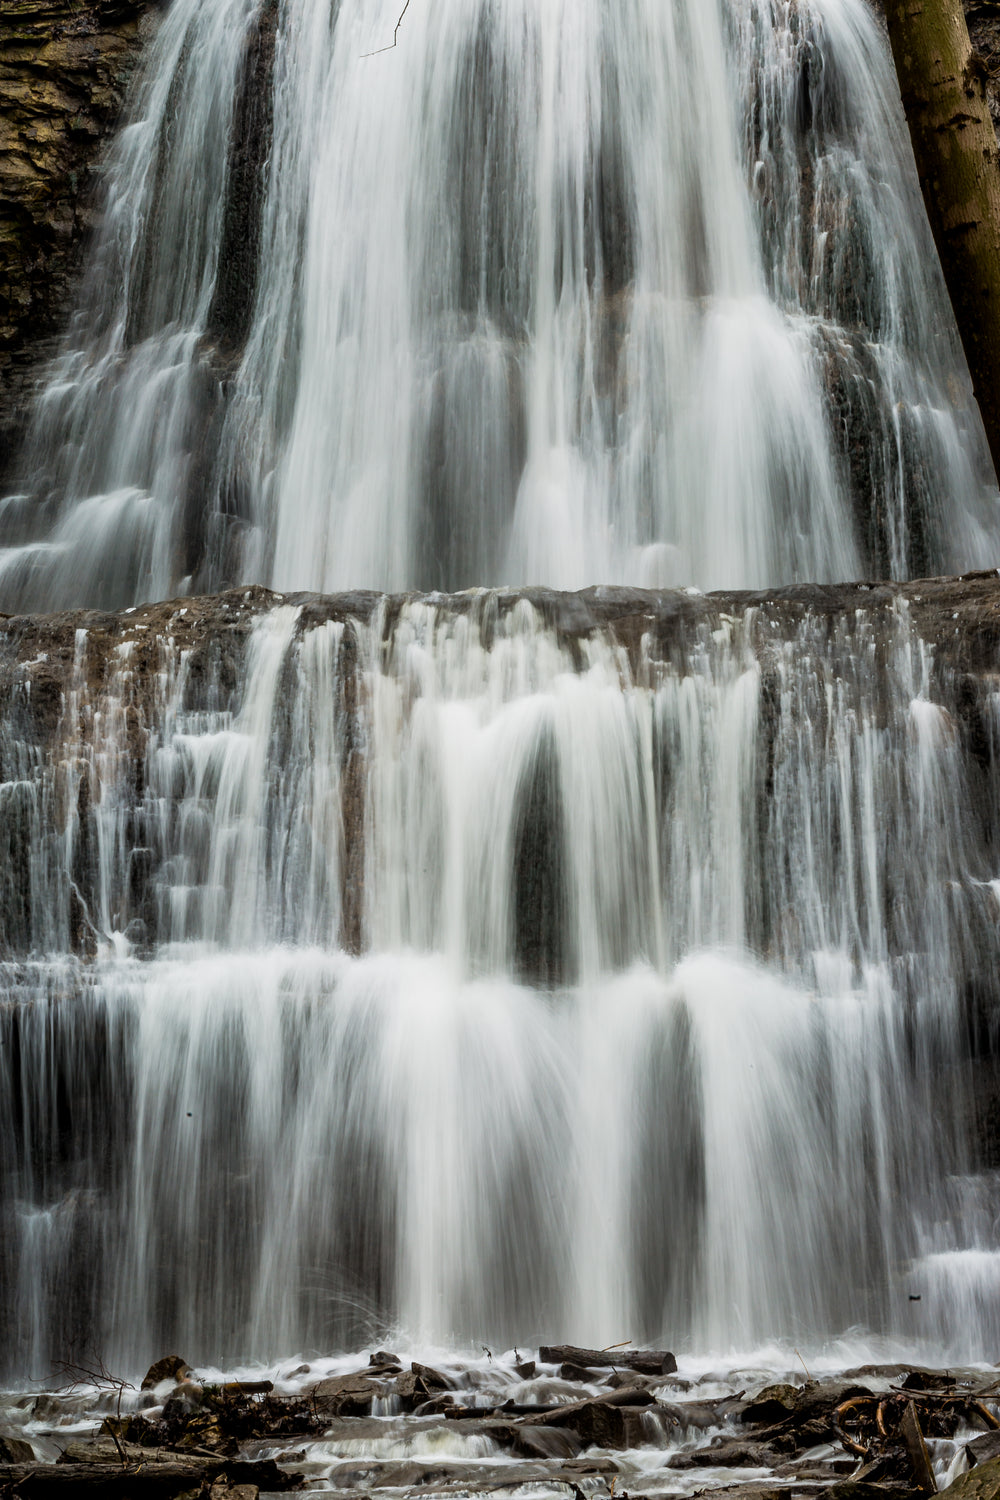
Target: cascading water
<point>544,293</point>
<point>627,1047</point>
<point>432,963</point>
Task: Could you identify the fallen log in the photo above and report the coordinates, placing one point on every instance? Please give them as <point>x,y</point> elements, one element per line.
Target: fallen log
<point>644,1361</point>
<point>141,1481</point>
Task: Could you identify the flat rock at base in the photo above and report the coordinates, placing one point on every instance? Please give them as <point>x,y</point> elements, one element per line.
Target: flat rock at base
<point>345,1395</point>
<point>863,1489</point>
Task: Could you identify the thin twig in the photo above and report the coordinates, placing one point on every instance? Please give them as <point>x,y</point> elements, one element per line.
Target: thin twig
<point>98,1374</point>
<point>395,34</point>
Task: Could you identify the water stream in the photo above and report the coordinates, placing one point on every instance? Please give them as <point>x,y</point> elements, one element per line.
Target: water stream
<point>656,1022</point>
<point>420,968</point>
<point>546,293</point>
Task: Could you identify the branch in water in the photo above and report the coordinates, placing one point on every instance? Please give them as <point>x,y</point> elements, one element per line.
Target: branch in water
<point>395,34</point>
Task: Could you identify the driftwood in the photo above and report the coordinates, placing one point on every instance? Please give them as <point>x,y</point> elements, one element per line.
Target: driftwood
<point>913,1438</point>
<point>643,1361</point>
<point>143,1481</point>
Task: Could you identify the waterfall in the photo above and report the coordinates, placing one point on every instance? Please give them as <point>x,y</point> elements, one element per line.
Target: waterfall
<point>421,965</point>
<point>457,957</point>
<point>541,294</point>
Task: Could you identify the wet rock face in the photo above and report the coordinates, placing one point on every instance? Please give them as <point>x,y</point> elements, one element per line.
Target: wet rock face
<point>64,69</point>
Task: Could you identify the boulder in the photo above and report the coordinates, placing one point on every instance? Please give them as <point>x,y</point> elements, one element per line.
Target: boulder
<point>983,1448</point>
<point>546,1442</point>
<point>980,1483</point>
<point>345,1395</point>
<point>170,1367</point>
<point>773,1404</point>
<point>441,1403</point>
<point>183,1402</point>
<point>14,1450</point>
<point>731,1454</point>
<point>410,1388</point>
<point>383,1360</point>
<point>432,1378</point>
<point>602,1423</point>
<point>863,1489</point>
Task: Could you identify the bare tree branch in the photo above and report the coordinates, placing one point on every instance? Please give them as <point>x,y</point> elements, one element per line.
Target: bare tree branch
<point>395,34</point>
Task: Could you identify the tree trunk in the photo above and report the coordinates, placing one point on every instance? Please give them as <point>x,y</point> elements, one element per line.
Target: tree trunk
<point>944,96</point>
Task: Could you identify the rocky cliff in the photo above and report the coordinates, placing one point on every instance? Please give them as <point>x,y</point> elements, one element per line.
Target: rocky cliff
<point>64,72</point>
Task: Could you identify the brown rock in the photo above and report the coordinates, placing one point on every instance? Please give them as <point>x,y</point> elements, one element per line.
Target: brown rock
<point>546,1442</point>
<point>773,1404</point>
<point>983,1448</point>
<point>432,1378</point>
<point>603,1423</point>
<point>345,1395</point>
<point>170,1367</point>
<point>728,1455</point>
<point>14,1450</point>
<point>980,1483</point>
<point>64,68</point>
<point>409,1388</point>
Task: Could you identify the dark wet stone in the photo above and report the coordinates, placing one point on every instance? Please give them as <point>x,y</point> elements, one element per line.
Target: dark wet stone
<point>983,1448</point>
<point>546,1442</point>
<point>773,1404</point>
<point>14,1450</point>
<point>431,1378</point>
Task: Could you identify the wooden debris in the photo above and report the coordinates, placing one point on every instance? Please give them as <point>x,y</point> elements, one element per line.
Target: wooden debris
<point>646,1361</point>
